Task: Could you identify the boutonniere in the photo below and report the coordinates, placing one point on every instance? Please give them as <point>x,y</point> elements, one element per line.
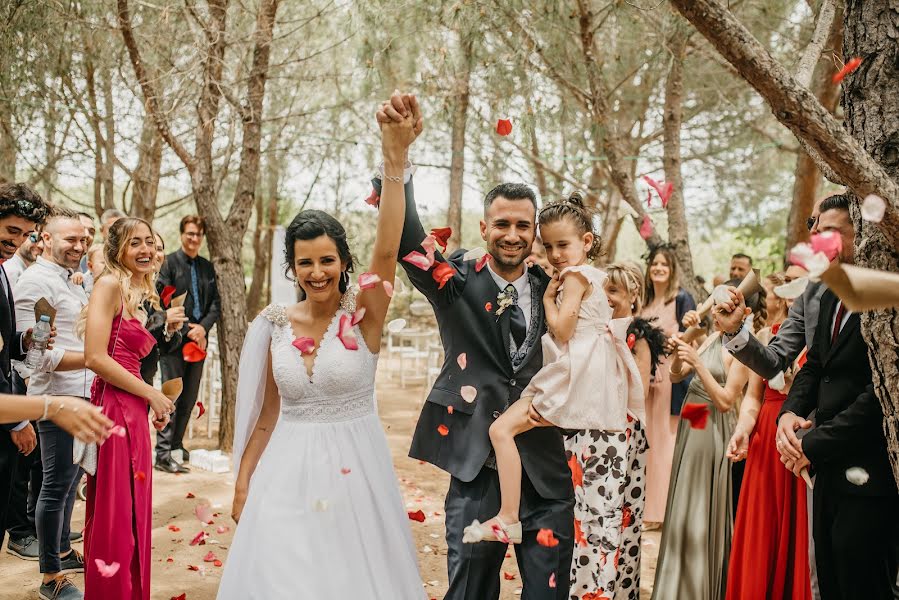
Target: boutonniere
<point>504,300</point>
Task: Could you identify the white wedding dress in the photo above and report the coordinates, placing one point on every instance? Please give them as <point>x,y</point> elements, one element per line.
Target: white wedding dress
<point>324,518</point>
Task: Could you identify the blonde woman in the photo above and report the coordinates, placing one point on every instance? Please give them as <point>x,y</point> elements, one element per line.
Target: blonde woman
<point>119,507</point>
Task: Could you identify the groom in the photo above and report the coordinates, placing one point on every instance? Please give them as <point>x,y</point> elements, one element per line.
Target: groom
<point>502,352</point>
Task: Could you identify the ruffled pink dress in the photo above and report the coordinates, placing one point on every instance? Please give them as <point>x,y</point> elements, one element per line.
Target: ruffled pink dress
<point>592,381</point>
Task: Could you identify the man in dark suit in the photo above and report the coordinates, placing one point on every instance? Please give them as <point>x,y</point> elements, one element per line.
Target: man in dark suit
<point>21,211</point>
<point>189,272</point>
<point>503,352</point>
<point>855,522</point>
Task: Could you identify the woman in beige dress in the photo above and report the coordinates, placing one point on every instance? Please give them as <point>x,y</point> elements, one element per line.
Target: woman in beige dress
<point>666,304</point>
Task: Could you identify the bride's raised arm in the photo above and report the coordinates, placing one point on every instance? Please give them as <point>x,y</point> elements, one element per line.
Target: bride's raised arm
<point>395,140</point>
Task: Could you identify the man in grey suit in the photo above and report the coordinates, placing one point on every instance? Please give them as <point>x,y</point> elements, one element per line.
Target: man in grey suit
<point>796,333</point>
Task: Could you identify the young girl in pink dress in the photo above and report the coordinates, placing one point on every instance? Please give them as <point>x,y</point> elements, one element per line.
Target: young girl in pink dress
<point>119,506</point>
<point>589,379</point>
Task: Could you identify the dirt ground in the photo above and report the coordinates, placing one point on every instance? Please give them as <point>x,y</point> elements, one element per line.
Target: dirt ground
<point>423,487</point>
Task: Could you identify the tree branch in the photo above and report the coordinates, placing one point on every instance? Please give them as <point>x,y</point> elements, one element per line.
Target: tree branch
<point>151,98</point>
<point>813,51</point>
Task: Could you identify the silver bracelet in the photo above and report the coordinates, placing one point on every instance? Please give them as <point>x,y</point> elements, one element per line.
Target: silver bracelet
<point>393,178</point>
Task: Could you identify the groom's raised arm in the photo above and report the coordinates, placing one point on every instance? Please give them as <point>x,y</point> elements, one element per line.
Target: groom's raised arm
<point>410,241</point>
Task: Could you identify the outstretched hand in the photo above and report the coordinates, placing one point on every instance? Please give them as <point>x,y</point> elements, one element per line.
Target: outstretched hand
<point>398,108</point>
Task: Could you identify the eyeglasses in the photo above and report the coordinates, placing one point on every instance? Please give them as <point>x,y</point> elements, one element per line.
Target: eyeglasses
<point>810,222</point>
<point>192,234</point>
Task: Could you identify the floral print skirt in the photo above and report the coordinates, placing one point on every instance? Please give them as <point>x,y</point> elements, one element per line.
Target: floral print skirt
<point>608,470</point>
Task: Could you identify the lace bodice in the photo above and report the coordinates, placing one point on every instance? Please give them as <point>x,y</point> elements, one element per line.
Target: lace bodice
<point>342,385</point>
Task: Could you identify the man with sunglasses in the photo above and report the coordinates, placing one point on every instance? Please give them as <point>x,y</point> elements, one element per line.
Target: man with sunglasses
<point>31,248</point>
<point>21,212</point>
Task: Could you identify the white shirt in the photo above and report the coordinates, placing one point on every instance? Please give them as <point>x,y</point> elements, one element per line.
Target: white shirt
<point>14,268</point>
<point>522,286</point>
<point>46,279</point>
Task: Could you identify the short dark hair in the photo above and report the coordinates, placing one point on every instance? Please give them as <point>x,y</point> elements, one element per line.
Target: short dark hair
<point>573,209</point>
<point>308,225</point>
<point>88,215</point>
<point>192,220</point>
<point>835,202</point>
<point>741,255</point>
<point>19,200</point>
<point>510,191</point>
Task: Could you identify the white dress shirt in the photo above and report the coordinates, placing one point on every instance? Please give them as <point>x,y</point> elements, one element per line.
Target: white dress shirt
<point>14,268</point>
<point>522,286</point>
<point>46,279</point>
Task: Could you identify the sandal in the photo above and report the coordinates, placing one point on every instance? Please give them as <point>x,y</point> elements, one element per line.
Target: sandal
<point>492,531</point>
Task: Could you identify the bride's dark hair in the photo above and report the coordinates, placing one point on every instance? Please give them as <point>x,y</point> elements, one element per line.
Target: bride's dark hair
<point>310,224</point>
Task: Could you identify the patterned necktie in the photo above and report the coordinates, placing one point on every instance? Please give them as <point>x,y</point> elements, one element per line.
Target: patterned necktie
<point>195,291</point>
<point>517,325</point>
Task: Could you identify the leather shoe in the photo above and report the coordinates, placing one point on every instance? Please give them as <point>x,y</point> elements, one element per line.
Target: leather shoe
<point>170,466</point>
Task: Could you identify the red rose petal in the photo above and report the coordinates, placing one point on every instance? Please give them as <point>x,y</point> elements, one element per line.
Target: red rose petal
<point>368,280</point>
<point>829,242</point>
<point>305,345</point>
<point>358,315</point>
<point>346,334</point>
<point>166,295</point>
<point>174,528</point>
<point>417,515</point>
<point>140,476</point>
<point>696,413</point>
<point>849,67</point>
<point>193,568</point>
<point>545,537</point>
<point>192,352</point>
<point>182,596</point>
<point>373,199</point>
<point>504,127</point>
<point>442,235</point>
<point>631,340</point>
<point>217,562</point>
<point>646,228</point>
<point>190,495</point>
<point>481,263</point>
<point>443,429</point>
<point>488,307</point>
<point>508,576</point>
<point>202,409</point>
<point>442,273</point>
<point>449,409</point>
<point>199,539</point>
<point>210,556</point>
<point>345,471</point>
<point>170,560</point>
<point>552,580</point>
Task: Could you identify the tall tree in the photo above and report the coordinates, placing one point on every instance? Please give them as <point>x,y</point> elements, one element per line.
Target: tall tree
<point>862,155</point>
<point>225,234</point>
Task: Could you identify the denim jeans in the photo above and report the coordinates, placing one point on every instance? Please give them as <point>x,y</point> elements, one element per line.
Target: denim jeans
<point>53,514</point>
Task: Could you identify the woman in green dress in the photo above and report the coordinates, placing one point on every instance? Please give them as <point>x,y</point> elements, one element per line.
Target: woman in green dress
<point>696,538</point>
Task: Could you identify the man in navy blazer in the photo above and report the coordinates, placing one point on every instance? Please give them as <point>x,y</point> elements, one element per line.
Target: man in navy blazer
<point>21,211</point>
<point>452,430</point>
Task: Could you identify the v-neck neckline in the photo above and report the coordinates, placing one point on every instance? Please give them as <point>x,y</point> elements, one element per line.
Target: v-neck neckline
<point>310,375</point>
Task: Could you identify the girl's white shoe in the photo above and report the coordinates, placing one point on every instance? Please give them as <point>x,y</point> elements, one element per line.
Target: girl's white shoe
<point>493,530</point>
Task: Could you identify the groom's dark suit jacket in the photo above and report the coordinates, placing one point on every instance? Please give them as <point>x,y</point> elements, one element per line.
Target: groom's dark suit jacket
<point>467,324</point>
<point>836,379</point>
<point>11,339</point>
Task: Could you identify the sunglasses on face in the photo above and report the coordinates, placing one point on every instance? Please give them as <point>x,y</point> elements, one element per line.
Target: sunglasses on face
<point>810,222</point>
<point>34,236</point>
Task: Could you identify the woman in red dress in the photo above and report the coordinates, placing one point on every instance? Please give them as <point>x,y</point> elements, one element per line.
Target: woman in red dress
<point>119,508</point>
<point>769,555</point>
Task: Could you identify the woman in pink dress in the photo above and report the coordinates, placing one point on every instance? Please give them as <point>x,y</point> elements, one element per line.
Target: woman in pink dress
<point>666,304</point>
<point>119,508</point>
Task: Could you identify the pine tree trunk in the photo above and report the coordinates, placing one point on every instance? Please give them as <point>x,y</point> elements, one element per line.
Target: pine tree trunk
<point>8,145</point>
<point>457,163</point>
<point>871,105</point>
<point>145,181</point>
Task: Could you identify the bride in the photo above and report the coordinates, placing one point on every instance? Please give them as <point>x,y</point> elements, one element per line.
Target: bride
<point>318,508</point>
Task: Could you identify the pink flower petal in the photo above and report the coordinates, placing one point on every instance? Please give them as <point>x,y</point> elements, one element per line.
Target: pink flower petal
<point>106,570</point>
<point>663,190</point>
<point>388,288</point>
<point>222,529</point>
<point>210,556</point>
<point>646,228</point>
<point>462,359</point>
<point>358,315</point>
<point>482,262</point>
<point>373,199</point>
<point>828,242</point>
<point>368,280</point>
<point>468,393</point>
<point>419,260</point>
<point>204,513</point>
<point>873,208</point>
<point>429,245</point>
<point>118,430</point>
<point>346,334</point>
<point>344,471</point>
<point>552,580</point>
<point>306,345</point>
